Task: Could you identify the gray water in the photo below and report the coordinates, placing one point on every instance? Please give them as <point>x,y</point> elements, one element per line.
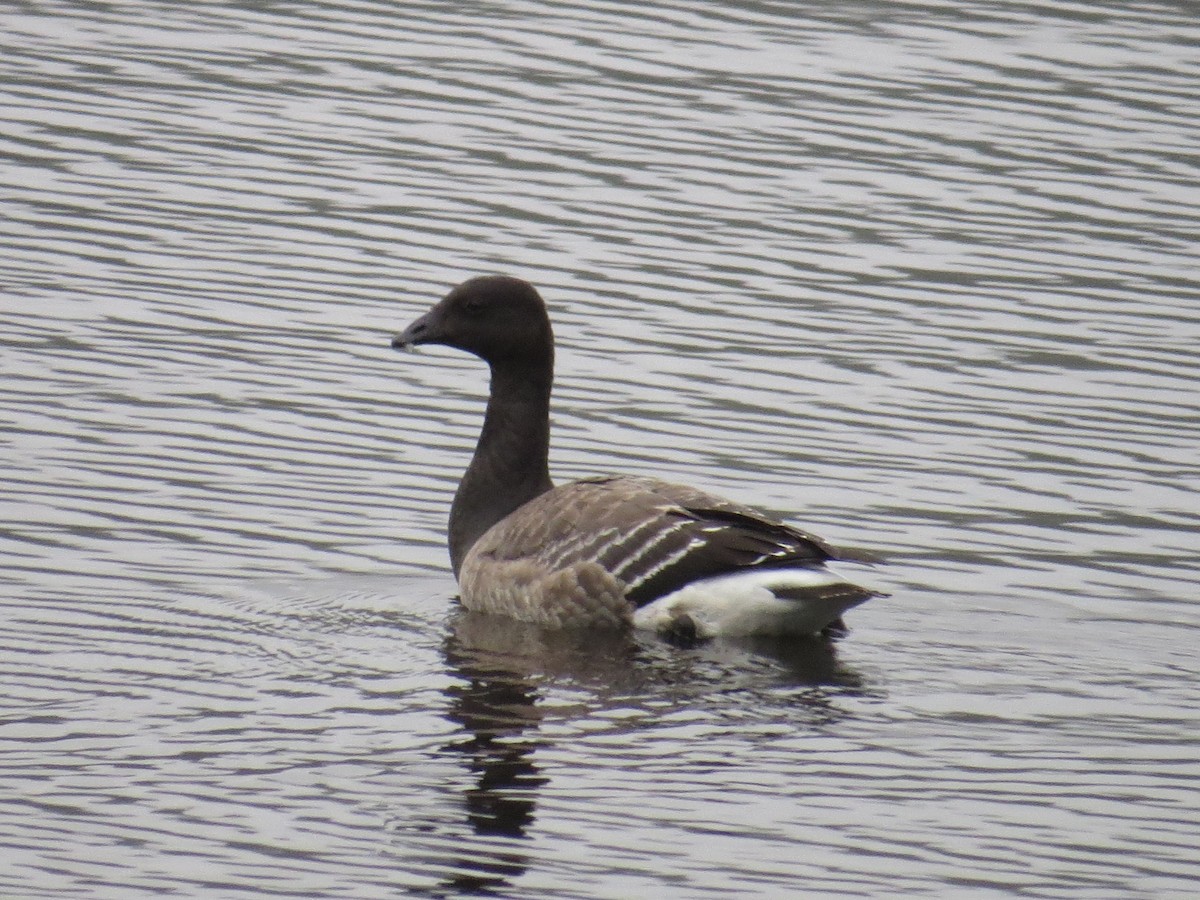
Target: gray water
<point>919,276</point>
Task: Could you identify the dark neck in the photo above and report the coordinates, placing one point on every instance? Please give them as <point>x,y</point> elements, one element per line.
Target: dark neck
<point>510,464</point>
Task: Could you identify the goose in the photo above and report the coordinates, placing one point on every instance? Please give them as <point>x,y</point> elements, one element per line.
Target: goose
<point>612,551</point>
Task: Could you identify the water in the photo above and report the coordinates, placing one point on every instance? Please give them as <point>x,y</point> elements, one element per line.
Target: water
<point>920,276</point>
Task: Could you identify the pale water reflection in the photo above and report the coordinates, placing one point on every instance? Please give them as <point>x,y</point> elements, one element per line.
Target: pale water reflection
<point>918,276</point>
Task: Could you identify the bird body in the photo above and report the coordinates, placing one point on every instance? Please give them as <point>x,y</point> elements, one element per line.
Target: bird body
<point>611,551</point>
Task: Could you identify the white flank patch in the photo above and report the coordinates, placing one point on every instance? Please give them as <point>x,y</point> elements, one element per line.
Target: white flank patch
<point>745,603</point>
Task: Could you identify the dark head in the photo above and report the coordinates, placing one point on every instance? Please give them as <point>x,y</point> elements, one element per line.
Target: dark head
<point>500,319</point>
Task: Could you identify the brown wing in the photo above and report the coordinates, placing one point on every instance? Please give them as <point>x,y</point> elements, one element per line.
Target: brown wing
<point>653,535</point>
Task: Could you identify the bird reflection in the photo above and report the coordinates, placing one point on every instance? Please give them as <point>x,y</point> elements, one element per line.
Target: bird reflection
<point>500,663</point>
<point>497,708</point>
<point>503,667</point>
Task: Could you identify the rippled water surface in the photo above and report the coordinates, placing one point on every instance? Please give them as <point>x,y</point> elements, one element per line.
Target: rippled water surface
<point>919,276</point>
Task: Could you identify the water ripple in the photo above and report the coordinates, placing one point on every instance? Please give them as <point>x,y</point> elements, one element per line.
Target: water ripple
<point>919,276</point>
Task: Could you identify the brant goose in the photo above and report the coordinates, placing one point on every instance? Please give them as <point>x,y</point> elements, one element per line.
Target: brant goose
<point>614,550</point>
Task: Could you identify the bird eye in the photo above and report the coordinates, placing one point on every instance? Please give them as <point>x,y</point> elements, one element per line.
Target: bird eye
<point>474,305</point>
